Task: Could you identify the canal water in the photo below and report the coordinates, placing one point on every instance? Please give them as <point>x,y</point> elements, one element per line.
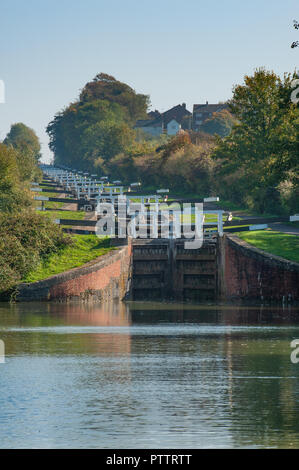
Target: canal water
<point>148,375</point>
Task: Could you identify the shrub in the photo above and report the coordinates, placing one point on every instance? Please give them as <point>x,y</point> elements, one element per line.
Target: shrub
<point>26,239</point>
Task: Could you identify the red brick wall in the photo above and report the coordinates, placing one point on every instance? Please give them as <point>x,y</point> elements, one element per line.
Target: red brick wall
<point>252,274</point>
<point>96,280</point>
<point>104,278</point>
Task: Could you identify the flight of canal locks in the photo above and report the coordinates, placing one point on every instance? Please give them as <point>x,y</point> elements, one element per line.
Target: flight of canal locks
<point>156,344</point>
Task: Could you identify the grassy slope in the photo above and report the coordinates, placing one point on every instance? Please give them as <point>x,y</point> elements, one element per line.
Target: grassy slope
<point>277,243</point>
<point>85,248</point>
<point>209,218</point>
<point>73,215</point>
<point>49,204</point>
<point>57,214</point>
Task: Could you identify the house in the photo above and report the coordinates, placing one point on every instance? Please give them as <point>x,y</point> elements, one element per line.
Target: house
<point>154,114</point>
<point>154,127</point>
<point>173,127</point>
<point>170,122</point>
<point>202,112</point>
<point>180,114</point>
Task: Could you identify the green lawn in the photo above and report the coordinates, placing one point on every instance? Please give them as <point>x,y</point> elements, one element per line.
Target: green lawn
<point>75,215</point>
<point>49,204</point>
<point>44,185</point>
<point>277,243</point>
<point>209,218</point>
<point>52,204</point>
<point>85,248</point>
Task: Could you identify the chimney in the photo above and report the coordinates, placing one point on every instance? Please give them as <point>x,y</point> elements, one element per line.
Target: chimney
<point>184,105</point>
<point>207,102</point>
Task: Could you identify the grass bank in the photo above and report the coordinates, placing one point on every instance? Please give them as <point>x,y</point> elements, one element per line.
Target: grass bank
<point>277,243</point>
<point>84,248</point>
<point>48,204</point>
<point>58,214</point>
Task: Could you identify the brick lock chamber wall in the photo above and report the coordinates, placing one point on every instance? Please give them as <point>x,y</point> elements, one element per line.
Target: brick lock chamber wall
<point>250,273</point>
<point>105,278</point>
<point>235,271</point>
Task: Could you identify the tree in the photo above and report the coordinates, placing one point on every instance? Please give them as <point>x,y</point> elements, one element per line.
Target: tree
<point>190,168</point>
<point>98,126</point>
<point>263,147</point>
<point>23,137</point>
<point>85,132</point>
<point>72,132</point>
<point>220,123</point>
<point>27,146</point>
<point>106,87</point>
<point>179,141</point>
<point>13,194</point>
<point>26,239</point>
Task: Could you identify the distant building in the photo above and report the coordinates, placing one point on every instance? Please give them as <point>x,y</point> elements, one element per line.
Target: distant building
<point>202,112</point>
<point>154,127</point>
<point>170,122</point>
<point>177,118</point>
<point>154,114</point>
<point>173,127</point>
<point>180,114</point>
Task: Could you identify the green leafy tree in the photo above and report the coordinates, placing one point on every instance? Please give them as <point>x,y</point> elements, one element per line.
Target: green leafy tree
<point>14,195</point>
<point>105,139</point>
<point>26,238</point>
<point>220,123</point>
<point>179,141</point>
<point>23,137</point>
<point>262,148</point>
<point>98,126</point>
<point>106,87</point>
<point>73,131</point>
<point>25,141</point>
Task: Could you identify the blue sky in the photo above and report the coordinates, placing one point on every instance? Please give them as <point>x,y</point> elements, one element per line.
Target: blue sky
<point>176,51</point>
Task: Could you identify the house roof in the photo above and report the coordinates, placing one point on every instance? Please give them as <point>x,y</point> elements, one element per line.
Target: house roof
<point>178,113</point>
<point>149,123</point>
<point>141,122</point>
<point>154,123</point>
<point>209,108</point>
<point>154,114</point>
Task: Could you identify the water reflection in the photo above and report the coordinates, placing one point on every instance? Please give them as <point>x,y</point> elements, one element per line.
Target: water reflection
<point>51,328</point>
<point>148,375</point>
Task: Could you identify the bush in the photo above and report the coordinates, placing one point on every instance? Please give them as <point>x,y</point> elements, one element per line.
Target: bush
<point>13,192</point>
<point>26,239</point>
<point>289,193</point>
